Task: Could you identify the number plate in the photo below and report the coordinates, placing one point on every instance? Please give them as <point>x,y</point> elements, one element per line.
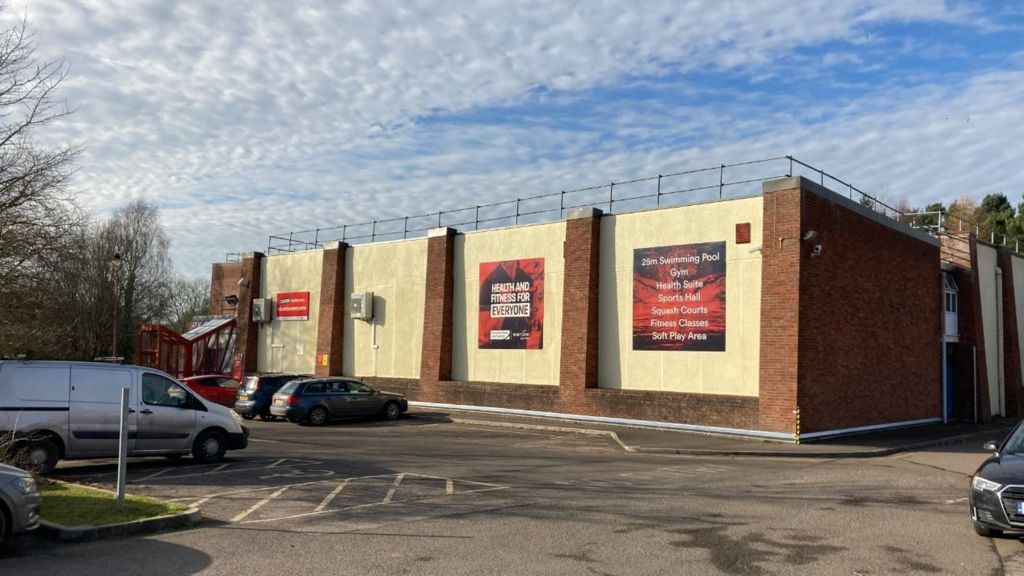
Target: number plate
<point>278,401</point>
<point>243,397</point>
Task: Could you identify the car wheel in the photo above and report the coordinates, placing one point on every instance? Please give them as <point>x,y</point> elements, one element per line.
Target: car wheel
<point>392,411</point>
<point>248,416</point>
<point>209,446</point>
<point>39,456</point>
<point>317,416</point>
<point>987,532</point>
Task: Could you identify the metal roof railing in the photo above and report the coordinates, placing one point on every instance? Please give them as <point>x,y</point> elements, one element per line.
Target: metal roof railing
<point>652,192</point>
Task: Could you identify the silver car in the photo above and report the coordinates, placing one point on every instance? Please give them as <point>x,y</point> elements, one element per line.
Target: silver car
<point>19,502</point>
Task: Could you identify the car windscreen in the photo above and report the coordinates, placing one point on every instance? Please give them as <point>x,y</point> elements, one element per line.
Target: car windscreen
<point>251,383</point>
<point>289,387</point>
<point>1015,444</point>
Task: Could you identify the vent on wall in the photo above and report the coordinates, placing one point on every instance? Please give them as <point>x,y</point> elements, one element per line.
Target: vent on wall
<point>261,310</point>
<point>361,305</point>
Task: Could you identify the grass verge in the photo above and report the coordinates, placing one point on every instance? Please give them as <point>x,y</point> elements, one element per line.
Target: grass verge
<point>77,505</point>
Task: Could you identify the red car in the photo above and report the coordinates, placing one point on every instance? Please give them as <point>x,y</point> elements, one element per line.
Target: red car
<point>215,388</point>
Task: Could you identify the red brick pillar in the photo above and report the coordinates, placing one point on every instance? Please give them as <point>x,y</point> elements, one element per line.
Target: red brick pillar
<point>247,342</point>
<point>330,328</point>
<point>1011,338</point>
<point>436,354</point>
<point>224,283</point>
<point>582,255</point>
<point>780,304</point>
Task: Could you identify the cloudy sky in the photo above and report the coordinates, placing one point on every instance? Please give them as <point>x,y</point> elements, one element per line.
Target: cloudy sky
<point>246,118</point>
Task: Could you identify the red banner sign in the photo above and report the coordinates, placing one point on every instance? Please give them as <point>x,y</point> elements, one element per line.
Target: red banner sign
<point>512,304</point>
<point>293,305</point>
<point>679,297</point>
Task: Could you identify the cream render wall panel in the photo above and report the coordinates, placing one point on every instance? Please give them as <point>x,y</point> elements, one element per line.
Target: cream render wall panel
<point>736,370</point>
<point>396,273</point>
<point>290,346</point>
<point>991,306</point>
<point>469,363</point>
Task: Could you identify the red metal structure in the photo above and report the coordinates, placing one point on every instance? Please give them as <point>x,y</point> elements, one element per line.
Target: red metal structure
<point>207,348</point>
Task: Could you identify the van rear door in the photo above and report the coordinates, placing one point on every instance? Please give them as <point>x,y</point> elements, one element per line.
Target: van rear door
<point>96,410</point>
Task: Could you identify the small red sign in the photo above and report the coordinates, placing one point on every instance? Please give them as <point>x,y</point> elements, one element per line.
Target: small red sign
<point>293,305</point>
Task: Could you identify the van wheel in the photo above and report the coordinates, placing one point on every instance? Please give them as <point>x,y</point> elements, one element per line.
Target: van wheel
<point>39,456</point>
<point>392,411</point>
<point>209,446</point>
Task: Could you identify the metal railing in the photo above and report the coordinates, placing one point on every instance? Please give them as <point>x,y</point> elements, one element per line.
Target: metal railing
<point>652,192</point>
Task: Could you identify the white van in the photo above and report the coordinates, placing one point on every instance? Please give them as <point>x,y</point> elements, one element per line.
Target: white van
<point>70,410</point>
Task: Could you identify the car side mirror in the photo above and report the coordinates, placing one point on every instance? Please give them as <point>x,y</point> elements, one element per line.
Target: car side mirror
<point>372,391</point>
<point>991,446</point>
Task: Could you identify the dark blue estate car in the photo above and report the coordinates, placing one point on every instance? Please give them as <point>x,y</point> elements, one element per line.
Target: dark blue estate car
<point>257,391</point>
<point>316,401</point>
<point>997,487</point>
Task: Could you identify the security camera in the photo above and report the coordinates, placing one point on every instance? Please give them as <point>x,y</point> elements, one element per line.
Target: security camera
<point>816,251</point>
<point>810,235</point>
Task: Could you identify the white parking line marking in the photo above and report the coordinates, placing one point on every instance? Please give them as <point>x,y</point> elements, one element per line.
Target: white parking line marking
<point>276,463</point>
<point>357,506</point>
<point>259,504</point>
<point>394,487</point>
<point>153,475</point>
<point>449,487</point>
<point>330,497</point>
<point>219,468</point>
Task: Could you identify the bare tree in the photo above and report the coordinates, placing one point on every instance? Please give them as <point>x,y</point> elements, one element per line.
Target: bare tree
<point>190,297</point>
<point>38,217</point>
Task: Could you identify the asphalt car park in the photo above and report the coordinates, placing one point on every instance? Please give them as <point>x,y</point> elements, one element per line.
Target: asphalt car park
<point>432,496</point>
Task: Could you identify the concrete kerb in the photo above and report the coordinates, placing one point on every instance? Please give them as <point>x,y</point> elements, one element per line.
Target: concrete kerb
<point>782,453</point>
<point>59,533</point>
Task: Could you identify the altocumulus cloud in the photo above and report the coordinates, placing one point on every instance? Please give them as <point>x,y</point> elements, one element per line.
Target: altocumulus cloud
<point>242,119</point>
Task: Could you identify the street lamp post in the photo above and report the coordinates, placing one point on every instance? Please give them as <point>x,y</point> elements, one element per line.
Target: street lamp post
<point>115,265</point>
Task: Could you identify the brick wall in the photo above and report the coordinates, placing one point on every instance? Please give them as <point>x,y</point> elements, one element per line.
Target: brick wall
<point>870,320</point>
<point>740,412</point>
<point>330,337</point>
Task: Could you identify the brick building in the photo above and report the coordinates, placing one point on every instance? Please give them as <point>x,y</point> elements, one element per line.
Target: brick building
<point>793,311</point>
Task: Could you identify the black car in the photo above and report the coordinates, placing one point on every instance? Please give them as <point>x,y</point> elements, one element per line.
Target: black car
<point>315,401</point>
<point>997,487</point>
<point>255,394</point>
